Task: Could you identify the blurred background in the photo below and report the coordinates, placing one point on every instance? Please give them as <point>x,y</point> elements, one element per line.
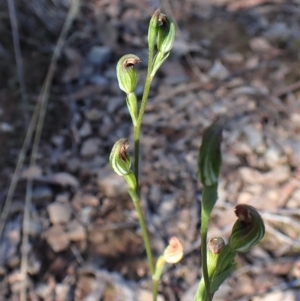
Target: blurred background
<point>68,223</point>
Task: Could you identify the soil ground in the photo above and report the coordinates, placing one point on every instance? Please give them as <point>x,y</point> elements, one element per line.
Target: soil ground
<point>233,58</point>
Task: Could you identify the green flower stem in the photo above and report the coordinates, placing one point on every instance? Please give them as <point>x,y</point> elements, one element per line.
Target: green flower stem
<point>137,205</point>
<point>204,228</point>
<point>209,197</point>
<point>154,289</point>
<point>159,267</point>
<point>137,127</point>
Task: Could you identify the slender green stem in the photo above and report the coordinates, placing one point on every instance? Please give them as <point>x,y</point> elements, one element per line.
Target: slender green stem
<point>154,289</point>
<point>204,228</point>
<point>135,195</point>
<point>137,205</point>
<point>136,133</point>
<point>137,128</point>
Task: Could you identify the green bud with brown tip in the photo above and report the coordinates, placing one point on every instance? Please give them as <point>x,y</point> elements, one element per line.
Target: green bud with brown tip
<point>153,29</point>
<point>119,160</point>
<point>166,33</point>
<point>126,73</point>
<point>248,230</point>
<point>215,246</point>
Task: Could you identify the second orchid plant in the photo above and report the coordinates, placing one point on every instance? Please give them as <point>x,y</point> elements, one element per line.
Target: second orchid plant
<point>217,258</point>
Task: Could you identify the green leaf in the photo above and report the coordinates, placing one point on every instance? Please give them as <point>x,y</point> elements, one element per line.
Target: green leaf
<point>210,158</point>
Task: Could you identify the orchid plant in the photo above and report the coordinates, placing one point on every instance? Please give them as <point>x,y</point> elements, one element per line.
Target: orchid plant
<point>217,257</point>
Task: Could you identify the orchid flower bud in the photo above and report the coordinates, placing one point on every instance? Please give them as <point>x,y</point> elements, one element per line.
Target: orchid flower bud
<point>166,34</point>
<point>119,160</point>
<point>215,246</point>
<point>174,251</point>
<point>153,29</point>
<point>224,267</point>
<point>248,230</point>
<point>165,40</point>
<point>126,73</point>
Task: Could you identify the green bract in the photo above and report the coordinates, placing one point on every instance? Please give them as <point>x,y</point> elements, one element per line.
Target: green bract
<point>159,59</point>
<point>126,73</point>
<point>248,230</point>
<point>132,106</point>
<point>119,160</point>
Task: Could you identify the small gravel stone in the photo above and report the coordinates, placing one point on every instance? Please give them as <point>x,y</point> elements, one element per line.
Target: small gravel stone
<point>35,228</point>
<point>57,238</point>
<point>111,184</point>
<point>85,129</point>
<point>233,58</point>
<point>32,172</point>
<point>64,179</point>
<point>99,55</point>
<point>90,200</point>
<point>90,147</point>
<point>43,290</point>
<point>94,115</point>
<point>42,193</point>
<point>167,206</point>
<point>62,291</point>
<point>260,44</point>
<point>59,213</point>
<point>218,71</point>
<point>76,231</point>
<point>145,295</point>
<point>254,136</point>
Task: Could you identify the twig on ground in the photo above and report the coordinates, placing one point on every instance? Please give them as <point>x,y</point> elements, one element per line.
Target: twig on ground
<point>210,86</point>
<point>287,89</point>
<point>19,166</point>
<point>77,254</point>
<point>282,237</point>
<point>19,60</point>
<point>272,216</point>
<point>43,100</point>
<point>244,4</point>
